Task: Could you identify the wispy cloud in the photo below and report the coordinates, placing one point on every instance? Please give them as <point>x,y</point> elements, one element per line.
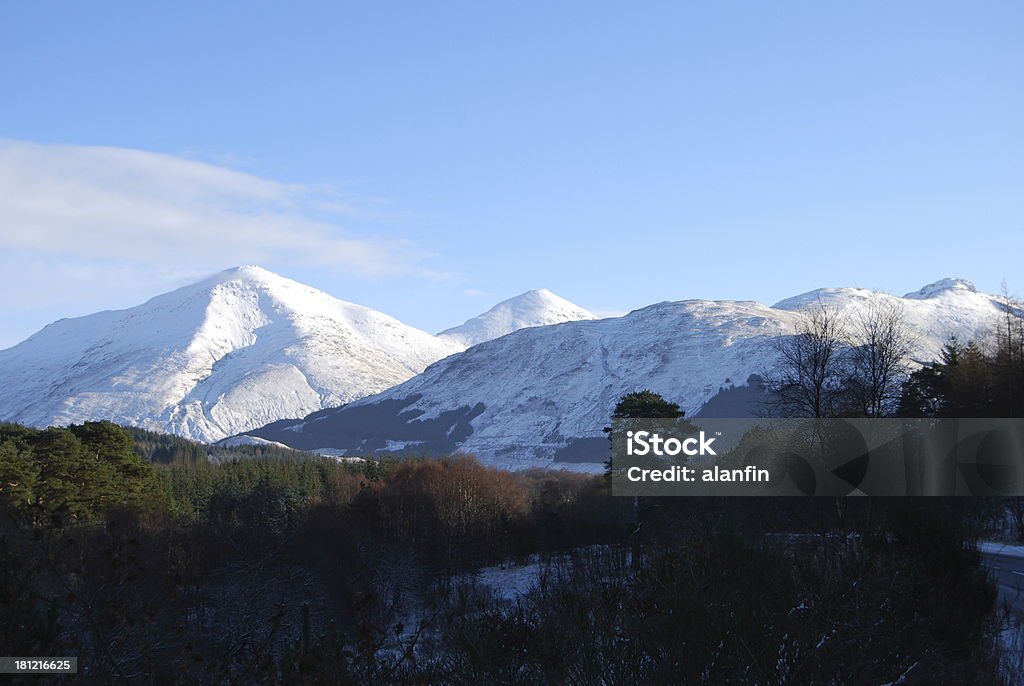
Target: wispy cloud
<point>102,203</point>
<point>84,228</point>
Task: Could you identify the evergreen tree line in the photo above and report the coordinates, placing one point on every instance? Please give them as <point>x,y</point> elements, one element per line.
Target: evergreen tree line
<point>311,571</point>
<point>62,476</point>
<point>199,573</point>
<point>969,381</point>
<point>174,450</point>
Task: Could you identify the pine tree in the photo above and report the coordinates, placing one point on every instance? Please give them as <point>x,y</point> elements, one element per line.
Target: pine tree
<point>643,404</point>
<point>19,476</point>
<point>926,392</point>
<point>646,404</point>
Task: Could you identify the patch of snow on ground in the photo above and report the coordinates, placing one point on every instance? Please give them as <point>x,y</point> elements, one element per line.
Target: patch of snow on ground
<point>509,581</point>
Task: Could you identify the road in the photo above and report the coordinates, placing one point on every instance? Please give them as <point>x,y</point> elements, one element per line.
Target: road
<point>1008,572</point>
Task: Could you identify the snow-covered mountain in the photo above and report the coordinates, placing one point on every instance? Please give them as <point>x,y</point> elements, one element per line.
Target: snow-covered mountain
<point>533,308</point>
<point>543,394</point>
<point>231,353</point>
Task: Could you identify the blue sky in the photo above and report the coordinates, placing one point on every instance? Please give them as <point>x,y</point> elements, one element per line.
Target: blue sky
<point>429,159</point>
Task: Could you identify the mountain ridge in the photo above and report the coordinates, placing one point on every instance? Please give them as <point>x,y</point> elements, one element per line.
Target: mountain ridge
<point>247,348</point>
<point>523,399</point>
<point>231,352</point>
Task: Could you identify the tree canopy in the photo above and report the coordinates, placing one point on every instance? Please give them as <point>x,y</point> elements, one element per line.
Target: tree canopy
<point>66,475</point>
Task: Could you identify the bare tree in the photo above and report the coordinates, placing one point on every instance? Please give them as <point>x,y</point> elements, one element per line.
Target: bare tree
<point>809,380</point>
<point>1009,356</point>
<point>1015,507</point>
<point>879,357</point>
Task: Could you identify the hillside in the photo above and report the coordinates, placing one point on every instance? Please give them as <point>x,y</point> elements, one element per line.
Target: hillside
<point>216,358</point>
<point>543,395</point>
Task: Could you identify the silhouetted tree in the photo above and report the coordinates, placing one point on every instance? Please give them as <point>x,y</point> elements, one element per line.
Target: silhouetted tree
<point>879,358</point>
<point>925,391</point>
<point>643,404</point>
<point>809,379</point>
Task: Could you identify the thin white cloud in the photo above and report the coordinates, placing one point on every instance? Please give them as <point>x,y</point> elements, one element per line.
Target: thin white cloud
<point>101,203</point>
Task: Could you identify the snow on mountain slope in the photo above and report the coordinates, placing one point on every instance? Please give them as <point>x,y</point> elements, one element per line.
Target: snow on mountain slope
<point>538,394</point>
<point>932,313</point>
<point>233,352</point>
<point>533,308</point>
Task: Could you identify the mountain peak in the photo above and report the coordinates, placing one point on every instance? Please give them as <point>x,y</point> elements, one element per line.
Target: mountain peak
<point>536,295</point>
<point>237,350</point>
<point>248,270</point>
<point>942,286</point>
<point>932,290</point>
<point>538,307</point>
<point>248,273</point>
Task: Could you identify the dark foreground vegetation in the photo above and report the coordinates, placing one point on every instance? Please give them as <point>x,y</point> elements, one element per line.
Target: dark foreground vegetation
<point>308,571</point>
<point>157,560</point>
